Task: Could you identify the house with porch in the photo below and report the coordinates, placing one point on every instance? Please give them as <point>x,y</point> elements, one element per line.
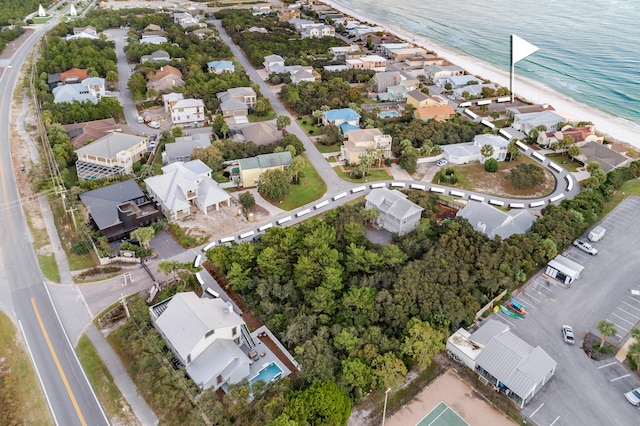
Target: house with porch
<point>503,360</point>
<point>361,141</point>
<point>184,186</point>
<point>396,213</point>
<point>252,168</point>
<point>111,155</point>
<point>437,72</point>
<point>579,136</point>
<point>82,133</point>
<point>467,152</point>
<point>187,111</point>
<point>90,89</point>
<point>212,341</point>
<point>118,209</point>
<point>246,95</point>
<point>368,62</point>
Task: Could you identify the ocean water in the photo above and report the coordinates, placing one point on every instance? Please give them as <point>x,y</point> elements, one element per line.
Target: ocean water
<point>589,50</point>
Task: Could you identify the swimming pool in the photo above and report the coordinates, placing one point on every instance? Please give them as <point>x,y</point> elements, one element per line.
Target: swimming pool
<point>389,114</point>
<point>268,374</point>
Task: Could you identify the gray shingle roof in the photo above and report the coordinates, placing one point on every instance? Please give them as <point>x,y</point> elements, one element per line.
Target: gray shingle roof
<point>108,146</point>
<point>394,203</point>
<point>492,221</point>
<point>102,203</point>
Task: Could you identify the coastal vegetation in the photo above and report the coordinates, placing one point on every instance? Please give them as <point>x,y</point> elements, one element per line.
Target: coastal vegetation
<point>280,38</point>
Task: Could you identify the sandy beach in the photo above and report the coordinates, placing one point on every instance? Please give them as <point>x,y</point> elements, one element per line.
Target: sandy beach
<point>606,124</point>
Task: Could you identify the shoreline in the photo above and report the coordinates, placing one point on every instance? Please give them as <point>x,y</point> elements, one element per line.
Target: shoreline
<point>614,128</point>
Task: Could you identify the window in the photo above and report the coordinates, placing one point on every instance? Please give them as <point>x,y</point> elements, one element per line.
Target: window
<point>234,331</point>
<point>209,333</point>
<point>188,358</point>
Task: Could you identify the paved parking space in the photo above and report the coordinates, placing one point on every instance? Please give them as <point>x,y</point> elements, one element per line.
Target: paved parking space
<point>584,391</point>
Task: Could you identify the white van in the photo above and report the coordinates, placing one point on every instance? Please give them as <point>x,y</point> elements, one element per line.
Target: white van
<point>140,119</point>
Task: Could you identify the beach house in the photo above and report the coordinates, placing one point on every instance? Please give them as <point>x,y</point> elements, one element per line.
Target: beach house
<point>533,120</point>
<point>246,95</point>
<point>369,62</point>
<point>187,111</point>
<point>578,135</point>
<point>90,89</point>
<point>157,57</point>
<point>492,221</point>
<point>252,168</point>
<point>438,72</point>
<point>438,113</point>
<point>360,142</point>
<point>183,147</point>
<point>345,118</point>
<point>467,152</point>
<point>111,155</point>
<point>221,67</point>
<point>183,186</point>
<point>165,79</point>
<point>83,32</point>
<point>396,213</point>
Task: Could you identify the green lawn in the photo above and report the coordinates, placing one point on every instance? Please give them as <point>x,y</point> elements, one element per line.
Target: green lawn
<point>255,118</point>
<point>563,161</point>
<point>102,381</point>
<point>24,402</point>
<point>308,125</point>
<point>372,176</point>
<point>310,189</point>
<point>631,187</point>
<point>49,267</point>
<point>325,149</point>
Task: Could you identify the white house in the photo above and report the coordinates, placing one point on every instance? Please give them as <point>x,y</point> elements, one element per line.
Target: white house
<point>183,185</point>
<point>318,31</point>
<point>187,111</point>
<point>111,155</point>
<point>369,62</point>
<point>153,39</point>
<point>90,89</point>
<point>83,32</point>
<point>467,152</point>
<point>168,98</point>
<point>185,19</point>
<point>529,121</point>
<point>206,336</point>
<point>492,221</point>
<point>437,72</point>
<point>183,147</point>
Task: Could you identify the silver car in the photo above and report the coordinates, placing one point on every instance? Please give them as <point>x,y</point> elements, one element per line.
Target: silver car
<point>586,247</point>
<point>633,397</point>
<point>567,334</point>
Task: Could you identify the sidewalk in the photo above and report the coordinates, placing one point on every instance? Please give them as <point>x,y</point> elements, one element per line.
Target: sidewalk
<point>76,316</point>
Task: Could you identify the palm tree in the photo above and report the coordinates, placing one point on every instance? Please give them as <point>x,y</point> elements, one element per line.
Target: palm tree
<point>607,329</point>
<point>513,150</point>
<point>486,151</point>
<point>112,77</point>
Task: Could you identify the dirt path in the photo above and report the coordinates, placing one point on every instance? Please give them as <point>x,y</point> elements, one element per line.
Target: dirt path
<point>459,396</point>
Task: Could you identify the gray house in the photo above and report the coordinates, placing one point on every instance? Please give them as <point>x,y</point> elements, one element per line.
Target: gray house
<point>397,214</point>
<point>183,147</point>
<point>503,360</point>
<point>492,221</point>
<point>118,209</point>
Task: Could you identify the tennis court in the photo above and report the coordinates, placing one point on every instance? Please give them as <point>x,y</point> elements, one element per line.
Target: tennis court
<point>442,415</point>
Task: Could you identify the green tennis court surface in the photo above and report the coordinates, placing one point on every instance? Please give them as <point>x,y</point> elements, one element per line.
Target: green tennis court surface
<point>442,415</point>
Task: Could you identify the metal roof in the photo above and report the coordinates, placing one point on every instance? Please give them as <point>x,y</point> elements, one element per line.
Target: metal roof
<point>517,364</point>
<point>490,328</point>
<point>393,203</point>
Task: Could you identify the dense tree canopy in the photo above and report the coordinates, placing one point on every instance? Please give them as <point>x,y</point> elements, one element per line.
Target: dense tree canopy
<point>14,11</point>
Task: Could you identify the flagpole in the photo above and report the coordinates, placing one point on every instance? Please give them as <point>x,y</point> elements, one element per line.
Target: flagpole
<point>513,96</point>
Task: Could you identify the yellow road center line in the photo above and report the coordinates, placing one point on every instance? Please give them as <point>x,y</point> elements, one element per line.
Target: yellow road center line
<point>55,359</point>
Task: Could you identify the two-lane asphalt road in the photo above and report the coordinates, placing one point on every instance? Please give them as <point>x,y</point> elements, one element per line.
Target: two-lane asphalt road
<point>68,392</point>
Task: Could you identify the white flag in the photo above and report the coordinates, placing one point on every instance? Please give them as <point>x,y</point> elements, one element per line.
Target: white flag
<point>520,49</point>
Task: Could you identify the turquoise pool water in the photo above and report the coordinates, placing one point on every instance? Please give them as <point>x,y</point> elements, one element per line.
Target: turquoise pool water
<point>389,114</point>
<point>267,374</point>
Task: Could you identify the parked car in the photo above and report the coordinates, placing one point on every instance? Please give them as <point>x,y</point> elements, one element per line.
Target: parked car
<point>586,247</point>
<point>567,334</point>
<point>154,124</point>
<point>633,397</point>
<point>441,162</point>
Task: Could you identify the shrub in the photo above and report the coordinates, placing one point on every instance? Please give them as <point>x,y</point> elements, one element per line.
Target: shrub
<point>387,162</point>
<point>526,176</point>
<point>82,247</point>
<point>491,165</point>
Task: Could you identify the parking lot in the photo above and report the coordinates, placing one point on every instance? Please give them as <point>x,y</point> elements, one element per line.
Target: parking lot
<point>584,391</point>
